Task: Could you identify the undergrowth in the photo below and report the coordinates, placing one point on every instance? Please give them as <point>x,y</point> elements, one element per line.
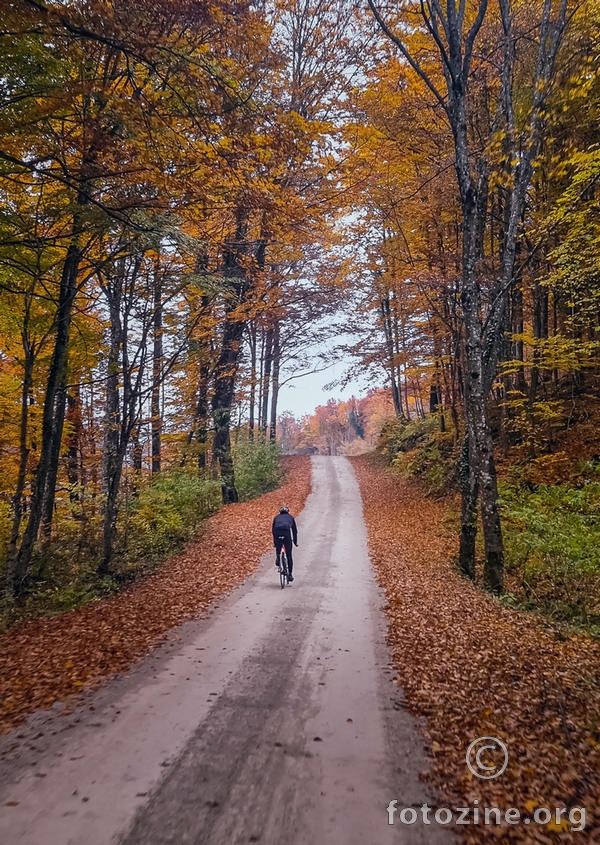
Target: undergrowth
<point>552,549</point>
<point>420,449</point>
<point>157,516</point>
<point>550,508</point>
<point>256,465</point>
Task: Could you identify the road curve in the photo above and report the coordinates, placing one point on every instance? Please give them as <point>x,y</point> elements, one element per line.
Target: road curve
<point>274,718</point>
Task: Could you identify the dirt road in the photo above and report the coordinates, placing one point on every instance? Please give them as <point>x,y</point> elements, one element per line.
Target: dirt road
<point>273,719</point>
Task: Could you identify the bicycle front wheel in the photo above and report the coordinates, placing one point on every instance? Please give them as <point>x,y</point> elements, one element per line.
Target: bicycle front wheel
<point>283,570</point>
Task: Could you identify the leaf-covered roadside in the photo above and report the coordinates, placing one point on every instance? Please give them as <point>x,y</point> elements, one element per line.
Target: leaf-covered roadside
<point>52,659</point>
<point>474,668</point>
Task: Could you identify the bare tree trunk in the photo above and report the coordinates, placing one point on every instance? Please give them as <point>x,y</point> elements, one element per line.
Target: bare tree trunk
<point>42,501</point>
<point>157,364</point>
<point>251,420</point>
<point>74,467</point>
<point>470,495</point>
<point>137,451</point>
<point>405,383</point>
<point>389,339</point>
<point>397,331</point>
<point>227,364</point>
<point>540,332</point>
<point>493,573</point>
<point>111,463</point>
<point>114,467</point>
<point>518,351</point>
<point>202,416</point>
<point>260,379</point>
<point>17,499</point>
<point>275,380</point>
<point>122,404</point>
<point>266,380</point>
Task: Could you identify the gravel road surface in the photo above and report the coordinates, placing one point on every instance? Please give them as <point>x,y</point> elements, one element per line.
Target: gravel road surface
<point>273,719</point>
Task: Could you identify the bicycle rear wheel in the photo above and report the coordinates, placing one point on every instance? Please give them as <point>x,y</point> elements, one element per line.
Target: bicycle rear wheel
<point>283,570</point>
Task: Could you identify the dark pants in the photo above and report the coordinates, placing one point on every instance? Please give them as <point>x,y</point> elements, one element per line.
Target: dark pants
<point>285,542</point>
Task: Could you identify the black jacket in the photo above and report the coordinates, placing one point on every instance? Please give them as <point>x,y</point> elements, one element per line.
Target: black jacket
<point>284,525</point>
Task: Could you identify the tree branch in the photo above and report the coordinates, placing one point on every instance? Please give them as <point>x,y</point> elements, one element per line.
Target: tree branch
<point>407,55</point>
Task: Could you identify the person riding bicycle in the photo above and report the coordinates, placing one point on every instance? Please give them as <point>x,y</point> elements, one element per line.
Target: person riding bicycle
<point>284,532</point>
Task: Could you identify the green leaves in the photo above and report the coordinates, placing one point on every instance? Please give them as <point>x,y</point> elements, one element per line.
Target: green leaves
<point>256,466</point>
<point>552,537</point>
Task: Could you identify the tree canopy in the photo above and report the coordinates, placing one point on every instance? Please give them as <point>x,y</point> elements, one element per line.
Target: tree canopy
<point>189,191</point>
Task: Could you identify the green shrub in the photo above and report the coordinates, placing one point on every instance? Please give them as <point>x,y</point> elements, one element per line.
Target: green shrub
<point>552,544</point>
<point>256,464</point>
<point>165,512</point>
<point>418,449</point>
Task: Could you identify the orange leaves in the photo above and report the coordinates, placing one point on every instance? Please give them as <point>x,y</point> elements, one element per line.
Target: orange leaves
<point>50,660</point>
<point>474,668</point>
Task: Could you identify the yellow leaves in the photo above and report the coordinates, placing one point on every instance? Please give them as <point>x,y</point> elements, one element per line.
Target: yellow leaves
<point>562,825</point>
<point>558,821</point>
<point>558,352</point>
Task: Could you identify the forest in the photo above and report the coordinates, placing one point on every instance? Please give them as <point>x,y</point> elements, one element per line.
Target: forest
<point>198,198</point>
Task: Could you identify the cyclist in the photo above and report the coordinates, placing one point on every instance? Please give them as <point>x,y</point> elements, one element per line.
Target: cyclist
<point>284,532</point>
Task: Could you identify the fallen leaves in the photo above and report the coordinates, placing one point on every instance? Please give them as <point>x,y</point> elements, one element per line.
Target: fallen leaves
<point>474,669</point>
<point>52,659</point>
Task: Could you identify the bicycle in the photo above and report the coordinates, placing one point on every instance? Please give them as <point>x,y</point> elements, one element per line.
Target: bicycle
<point>283,568</point>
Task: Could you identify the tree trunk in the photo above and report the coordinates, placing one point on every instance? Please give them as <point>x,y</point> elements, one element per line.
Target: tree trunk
<point>251,420</point>
<point>42,501</point>
<point>518,351</point>
<point>122,411</point>
<point>226,371</point>
<point>111,465</point>
<point>493,571</point>
<point>275,380</point>
<point>260,378</point>
<point>222,449</point>
<point>475,400</point>
<point>202,416</point>
<point>157,363</point>
<point>389,340</point>
<point>137,451</point>
<point>114,469</point>
<point>74,442</point>
<point>470,494</point>
<point>17,499</point>
<point>266,381</point>
<point>227,364</point>
<point>540,333</point>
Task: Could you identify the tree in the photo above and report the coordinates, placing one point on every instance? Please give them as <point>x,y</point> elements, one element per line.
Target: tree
<point>451,35</point>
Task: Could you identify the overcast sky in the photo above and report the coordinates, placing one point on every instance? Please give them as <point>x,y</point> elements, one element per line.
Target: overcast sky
<point>302,395</point>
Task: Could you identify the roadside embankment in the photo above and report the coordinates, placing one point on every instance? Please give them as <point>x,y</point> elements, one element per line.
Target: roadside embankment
<point>475,669</point>
<point>53,659</point>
